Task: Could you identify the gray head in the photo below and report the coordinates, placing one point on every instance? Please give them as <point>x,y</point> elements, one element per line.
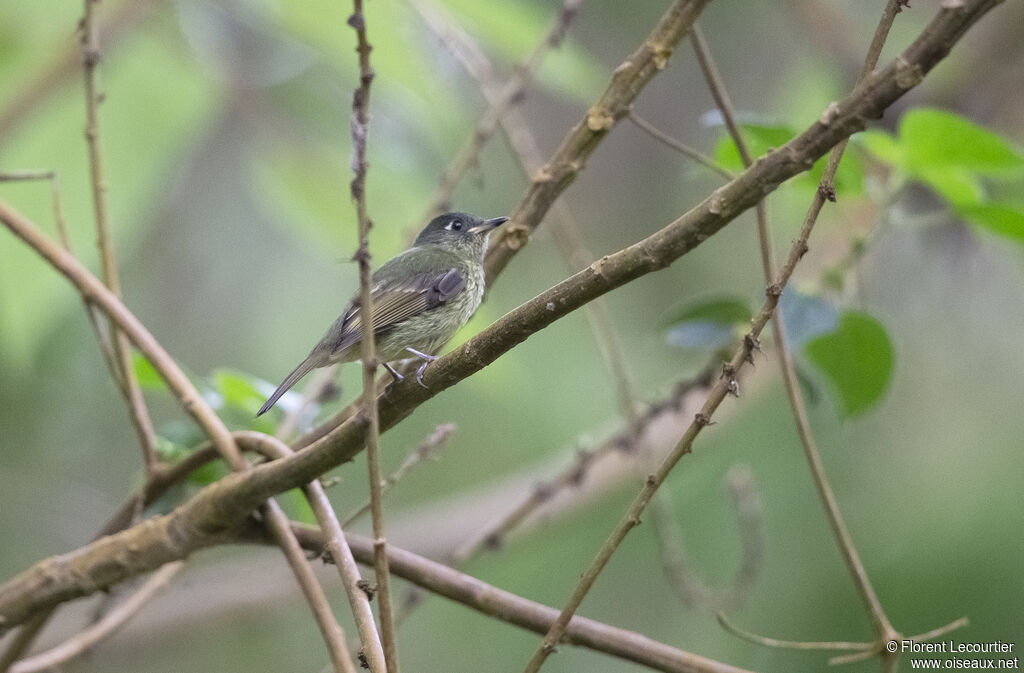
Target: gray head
<point>460,231</point>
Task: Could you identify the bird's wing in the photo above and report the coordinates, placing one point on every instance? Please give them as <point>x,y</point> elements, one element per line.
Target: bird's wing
<point>394,302</point>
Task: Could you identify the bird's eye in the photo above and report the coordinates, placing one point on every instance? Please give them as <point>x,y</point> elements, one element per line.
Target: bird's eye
<point>454,225</point>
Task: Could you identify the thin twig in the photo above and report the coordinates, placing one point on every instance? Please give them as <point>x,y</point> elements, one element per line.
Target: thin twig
<point>197,522</point>
<point>65,64</point>
<point>789,644</point>
<point>725,385</point>
<point>106,350</point>
<point>102,629</point>
<point>122,352</point>
<point>562,168</point>
<point>509,95</point>
<point>427,449</point>
<point>97,293</point>
<point>341,555</point>
<point>826,190</point>
<point>575,474</point>
<point>693,592</point>
<point>513,609</point>
<point>679,146</point>
<point>334,635</point>
<point>360,123</point>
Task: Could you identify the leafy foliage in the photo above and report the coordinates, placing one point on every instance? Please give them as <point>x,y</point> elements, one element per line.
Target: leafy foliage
<point>954,157</point>
<point>709,323</point>
<point>857,358</point>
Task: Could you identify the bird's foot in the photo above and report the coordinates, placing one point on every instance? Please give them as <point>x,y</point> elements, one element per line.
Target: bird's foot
<point>427,360</point>
<point>395,378</point>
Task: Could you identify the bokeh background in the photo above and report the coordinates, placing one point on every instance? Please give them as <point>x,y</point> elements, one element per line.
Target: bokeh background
<point>227,147</point>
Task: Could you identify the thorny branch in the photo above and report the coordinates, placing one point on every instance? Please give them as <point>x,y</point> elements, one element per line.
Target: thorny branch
<point>360,122</point>
<point>123,371</point>
<point>224,505</point>
<point>724,386</point>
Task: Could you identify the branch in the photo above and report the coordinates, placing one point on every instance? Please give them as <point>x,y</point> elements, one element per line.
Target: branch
<point>65,64</point>
<point>360,121</point>
<point>334,636</point>
<point>94,291</point>
<point>512,609</point>
<point>674,562</point>
<point>826,190</point>
<point>224,505</point>
<point>628,80</point>
<point>336,544</point>
<point>510,94</point>
<point>727,384</point>
<point>104,628</point>
<point>123,372</point>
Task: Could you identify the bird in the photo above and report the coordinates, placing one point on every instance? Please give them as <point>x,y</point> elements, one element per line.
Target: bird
<point>420,299</point>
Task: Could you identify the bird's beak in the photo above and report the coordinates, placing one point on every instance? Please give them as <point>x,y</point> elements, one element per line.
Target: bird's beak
<point>487,225</point>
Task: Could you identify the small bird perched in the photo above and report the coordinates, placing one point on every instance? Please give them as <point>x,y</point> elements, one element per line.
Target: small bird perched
<point>420,299</point>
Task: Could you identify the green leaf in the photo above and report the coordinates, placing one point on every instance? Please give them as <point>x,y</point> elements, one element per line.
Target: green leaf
<point>857,358</point>
<point>144,372</point>
<point>760,138</point>
<point>169,451</point>
<point>1002,219</point>
<point>722,311</point>
<point>883,145</point>
<point>936,138</point>
<point>710,323</point>
<point>958,186</point>
<point>237,389</point>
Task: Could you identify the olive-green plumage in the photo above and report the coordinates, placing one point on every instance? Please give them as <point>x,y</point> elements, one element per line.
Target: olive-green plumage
<point>420,299</point>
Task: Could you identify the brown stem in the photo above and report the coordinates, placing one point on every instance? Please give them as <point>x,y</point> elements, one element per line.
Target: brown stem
<point>360,122</point>
<point>124,372</point>
<point>227,502</point>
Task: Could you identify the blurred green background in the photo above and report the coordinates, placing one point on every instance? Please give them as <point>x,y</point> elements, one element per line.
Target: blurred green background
<point>227,147</point>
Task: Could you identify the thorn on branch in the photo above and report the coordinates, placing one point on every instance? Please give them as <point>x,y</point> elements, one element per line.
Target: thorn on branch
<point>361,255</point>
<point>751,345</point>
<point>90,56</point>
<point>703,420</point>
<point>366,588</point>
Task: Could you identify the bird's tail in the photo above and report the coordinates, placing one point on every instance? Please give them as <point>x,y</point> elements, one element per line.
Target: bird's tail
<point>313,361</point>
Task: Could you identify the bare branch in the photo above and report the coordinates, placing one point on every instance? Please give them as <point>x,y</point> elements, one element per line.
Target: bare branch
<point>204,519</point>
<point>506,606</point>
<point>689,588</point>
<point>334,636</point>
<point>826,190</point>
<point>341,555</point>
<point>509,95</point>
<point>124,372</point>
<point>360,123</point>
<point>631,518</point>
<point>427,449</point>
<point>104,628</point>
<point>679,146</point>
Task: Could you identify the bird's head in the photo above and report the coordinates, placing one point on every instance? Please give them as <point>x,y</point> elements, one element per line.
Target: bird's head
<point>459,232</point>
